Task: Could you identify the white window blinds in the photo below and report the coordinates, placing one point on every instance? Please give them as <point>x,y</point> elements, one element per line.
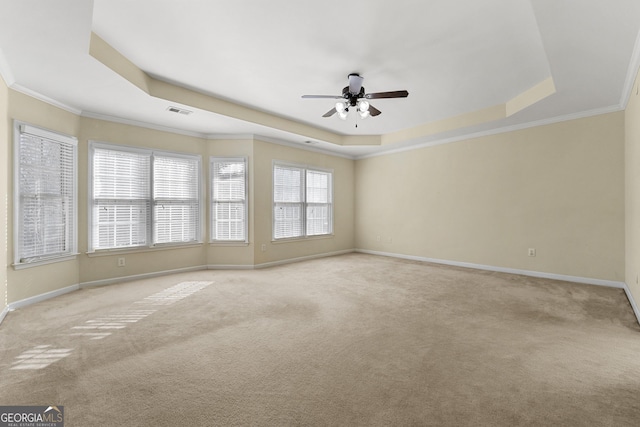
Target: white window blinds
<point>176,199</point>
<point>318,203</point>
<point>121,211</point>
<point>302,202</point>
<point>141,198</point>
<point>46,194</point>
<point>229,199</point>
<point>288,202</point>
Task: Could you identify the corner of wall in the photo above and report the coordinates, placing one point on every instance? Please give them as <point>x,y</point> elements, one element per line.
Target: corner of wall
<point>632,195</point>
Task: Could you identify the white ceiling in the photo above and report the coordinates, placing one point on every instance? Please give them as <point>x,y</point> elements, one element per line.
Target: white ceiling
<point>454,57</point>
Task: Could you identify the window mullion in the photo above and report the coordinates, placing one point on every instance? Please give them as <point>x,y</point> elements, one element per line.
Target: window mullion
<point>303,190</point>
<point>151,234</point>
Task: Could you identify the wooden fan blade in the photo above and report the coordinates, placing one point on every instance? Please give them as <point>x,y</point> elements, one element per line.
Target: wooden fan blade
<point>392,94</point>
<point>374,111</point>
<point>323,96</point>
<point>355,83</point>
<point>330,112</point>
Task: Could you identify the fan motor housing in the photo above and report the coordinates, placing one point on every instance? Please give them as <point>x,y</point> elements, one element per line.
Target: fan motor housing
<point>350,97</point>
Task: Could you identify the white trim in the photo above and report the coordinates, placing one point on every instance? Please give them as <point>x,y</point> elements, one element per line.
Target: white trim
<point>152,154</point>
<point>230,267</point>
<point>141,249</point>
<point>122,279</point>
<point>497,131</point>
<point>300,145</point>
<point>20,128</point>
<point>306,147</point>
<point>45,99</point>
<point>42,297</point>
<point>137,123</point>
<point>230,136</point>
<point>219,159</point>
<point>632,72</point>
<point>45,261</point>
<point>632,301</point>
<point>4,313</point>
<point>303,177</point>
<point>303,258</point>
<point>531,273</point>
<point>46,134</point>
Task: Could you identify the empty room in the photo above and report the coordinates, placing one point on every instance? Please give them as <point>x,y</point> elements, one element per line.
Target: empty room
<point>338,213</point>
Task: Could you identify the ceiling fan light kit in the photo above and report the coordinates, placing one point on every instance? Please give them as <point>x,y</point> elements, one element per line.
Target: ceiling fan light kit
<point>354,96</point>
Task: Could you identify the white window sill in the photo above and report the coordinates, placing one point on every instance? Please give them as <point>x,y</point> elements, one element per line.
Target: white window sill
<point>141,249</point>
<point>23,265</point>
<point>302,238</point>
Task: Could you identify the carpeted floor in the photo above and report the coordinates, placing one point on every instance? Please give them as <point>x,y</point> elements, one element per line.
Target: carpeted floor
<point>349,340</point>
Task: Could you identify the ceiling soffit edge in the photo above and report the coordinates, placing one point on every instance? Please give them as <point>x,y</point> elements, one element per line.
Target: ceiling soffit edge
<point>632,73</point>
<point>495,131</point>
<point>111,58</point>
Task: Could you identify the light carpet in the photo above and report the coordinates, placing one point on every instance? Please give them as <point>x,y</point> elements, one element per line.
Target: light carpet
<point>349,340</point>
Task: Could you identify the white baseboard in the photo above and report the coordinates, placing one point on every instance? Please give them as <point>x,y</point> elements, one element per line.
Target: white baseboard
<point>35,299</point>
<point>566,278</point>
<point>4,313</point>
<point>230,267</point>
<point>304,258</point>
<point>121,279</point>
<point>42,297</point>
<point>632,301</point>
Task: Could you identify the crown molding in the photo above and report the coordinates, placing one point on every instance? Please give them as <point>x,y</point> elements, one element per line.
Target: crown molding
<point>37,95</point>
<point>230,136</point>
<point>496,131</point>
<point>300,146</point>
<point>141,124</point>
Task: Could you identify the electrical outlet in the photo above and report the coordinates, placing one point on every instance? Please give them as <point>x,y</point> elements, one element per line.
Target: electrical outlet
<point>377,238</point>
<point>121,262</point>
<point>532,252</point>
<point>263,248</point>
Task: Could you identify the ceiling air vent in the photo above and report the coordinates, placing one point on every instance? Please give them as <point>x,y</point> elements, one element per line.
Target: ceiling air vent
<point>179,111</point>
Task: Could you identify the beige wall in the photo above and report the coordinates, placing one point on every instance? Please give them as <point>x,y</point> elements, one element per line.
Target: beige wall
<point>5,138</point>
<point>632,191</point>
<point>556,188</point>
<point>261,156</point>
<point>343,192</point>
<point>104,266</point>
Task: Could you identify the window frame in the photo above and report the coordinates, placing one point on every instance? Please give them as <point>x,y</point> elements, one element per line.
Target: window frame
<point>212,201</point>
<point>151,224</point>
<point>71,230</point>
<point>304,204</point>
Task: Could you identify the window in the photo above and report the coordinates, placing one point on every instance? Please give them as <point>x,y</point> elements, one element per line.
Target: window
<point>143,198</point>
<point>46,196</point>
<point>302,202</point>
<point>228,199</point>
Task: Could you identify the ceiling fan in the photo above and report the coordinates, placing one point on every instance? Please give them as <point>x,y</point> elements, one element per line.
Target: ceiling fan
<point>354,96</point>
